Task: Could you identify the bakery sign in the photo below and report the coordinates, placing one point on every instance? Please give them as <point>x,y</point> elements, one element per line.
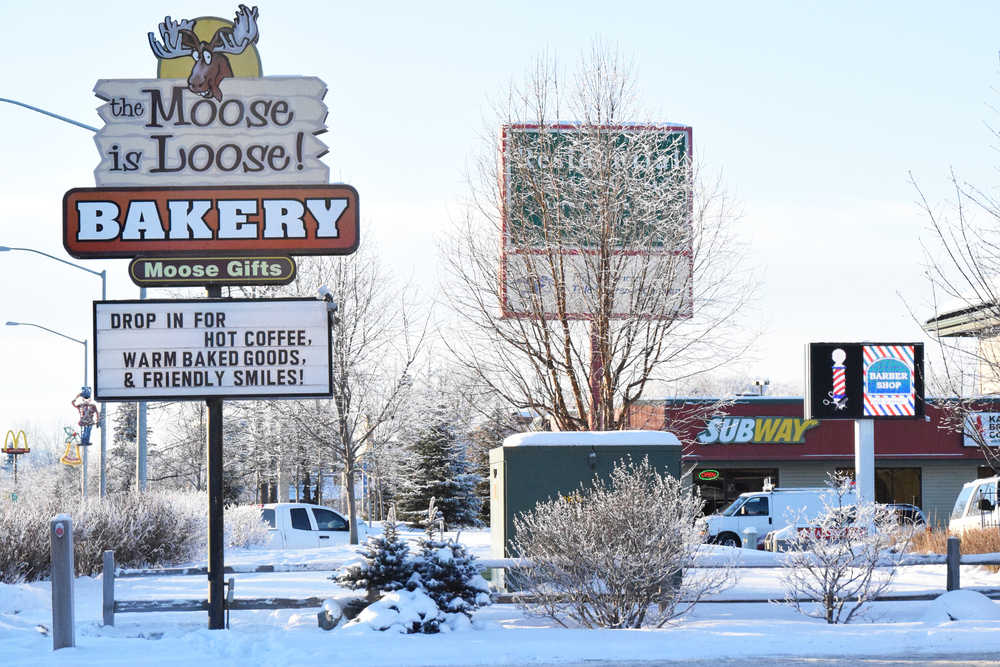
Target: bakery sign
<point>210,115</point>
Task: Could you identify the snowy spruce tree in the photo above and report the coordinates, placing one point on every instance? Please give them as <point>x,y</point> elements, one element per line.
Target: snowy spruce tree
<point>386,566</point>
<point>446,571</point>
<point>438,469</point>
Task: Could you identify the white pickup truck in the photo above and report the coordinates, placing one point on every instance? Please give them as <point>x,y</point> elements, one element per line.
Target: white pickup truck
<point>304,525</point>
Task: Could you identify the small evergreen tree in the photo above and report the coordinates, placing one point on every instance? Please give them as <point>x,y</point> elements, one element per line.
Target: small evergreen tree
<point>387,565</point>
<point>446,571</point>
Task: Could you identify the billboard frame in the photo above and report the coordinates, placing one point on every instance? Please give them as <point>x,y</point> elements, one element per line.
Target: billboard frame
<point>685,312</point>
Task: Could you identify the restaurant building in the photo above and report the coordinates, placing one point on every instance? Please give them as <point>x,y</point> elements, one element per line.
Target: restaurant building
<point>736,448</point>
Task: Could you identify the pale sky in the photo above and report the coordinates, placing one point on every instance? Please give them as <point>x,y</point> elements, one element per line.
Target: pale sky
<point>813,112</point>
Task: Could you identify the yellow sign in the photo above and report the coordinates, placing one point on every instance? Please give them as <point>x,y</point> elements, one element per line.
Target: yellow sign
<point>11,446</point>
<point>72,455</point>
<point>756,430</point>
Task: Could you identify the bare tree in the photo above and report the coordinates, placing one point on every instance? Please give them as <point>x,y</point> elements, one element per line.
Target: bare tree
<point>618,266</point>
<point>375,344</point>
<point>844,559</point>
<point>616,554</point>
<point>963,271</point>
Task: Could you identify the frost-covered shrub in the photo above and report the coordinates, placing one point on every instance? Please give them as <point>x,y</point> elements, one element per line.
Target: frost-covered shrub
<point>616,554</point>
<point>143,529</point>
<point>844,559</point>
<point>24,539</point>
<point>244,526</point>
<point>385,566</point>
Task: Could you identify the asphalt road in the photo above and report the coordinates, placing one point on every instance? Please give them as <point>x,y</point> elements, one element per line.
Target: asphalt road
<point>970,659</point>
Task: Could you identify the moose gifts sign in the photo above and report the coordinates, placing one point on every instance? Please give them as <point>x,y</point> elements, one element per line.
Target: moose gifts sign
<point>223,122</point>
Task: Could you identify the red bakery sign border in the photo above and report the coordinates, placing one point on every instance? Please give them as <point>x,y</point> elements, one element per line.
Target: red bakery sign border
<point>250,220</point>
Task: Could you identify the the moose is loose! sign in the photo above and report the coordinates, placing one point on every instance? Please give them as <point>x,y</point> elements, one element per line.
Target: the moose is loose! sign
<point>223,122</point>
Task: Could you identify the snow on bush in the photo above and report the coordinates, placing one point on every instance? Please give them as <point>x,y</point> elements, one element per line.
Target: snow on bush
<point>448,574</point>
<point>615,554</point>
<point>244,526</point>
<point>443,575</point>
<point>144,530</point>
<point>844,559</point>
<point>402,611</point>
<point>24,546</point>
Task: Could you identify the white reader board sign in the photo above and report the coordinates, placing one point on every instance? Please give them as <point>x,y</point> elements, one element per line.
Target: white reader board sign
<point>211,348</point>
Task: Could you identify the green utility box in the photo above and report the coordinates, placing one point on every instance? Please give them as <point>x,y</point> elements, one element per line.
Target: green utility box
<point>531,467</point>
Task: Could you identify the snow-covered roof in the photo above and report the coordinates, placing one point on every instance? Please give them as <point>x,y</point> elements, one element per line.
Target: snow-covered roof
<point>592,439</point>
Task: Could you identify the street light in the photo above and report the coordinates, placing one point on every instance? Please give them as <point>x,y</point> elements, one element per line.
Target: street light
<point>49,113</point>
<point>81,342</point>
<point>104,295</point>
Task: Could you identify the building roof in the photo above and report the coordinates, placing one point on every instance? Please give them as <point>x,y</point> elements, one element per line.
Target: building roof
<point>981,320</point>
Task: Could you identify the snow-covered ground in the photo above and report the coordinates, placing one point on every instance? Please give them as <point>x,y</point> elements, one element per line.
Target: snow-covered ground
<point>502,634</point>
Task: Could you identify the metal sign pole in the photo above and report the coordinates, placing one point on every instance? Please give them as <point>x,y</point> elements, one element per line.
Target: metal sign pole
<point>864,459</point>
<point>216,547</point>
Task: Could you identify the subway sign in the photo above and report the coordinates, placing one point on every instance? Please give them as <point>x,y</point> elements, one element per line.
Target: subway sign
<point>756,431</point>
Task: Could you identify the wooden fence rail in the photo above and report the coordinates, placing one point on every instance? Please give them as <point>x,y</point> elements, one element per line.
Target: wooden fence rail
<point>111,606</point>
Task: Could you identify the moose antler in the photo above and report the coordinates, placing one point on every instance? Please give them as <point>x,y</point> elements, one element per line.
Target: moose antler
<point>172,33</point>
<point>240,36</point>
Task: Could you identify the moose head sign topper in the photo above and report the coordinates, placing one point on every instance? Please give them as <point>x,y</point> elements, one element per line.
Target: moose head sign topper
<point>210,118</point>
<point>211,62</point>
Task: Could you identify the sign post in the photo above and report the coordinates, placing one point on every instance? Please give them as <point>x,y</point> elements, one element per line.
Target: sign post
<point>864,382</point>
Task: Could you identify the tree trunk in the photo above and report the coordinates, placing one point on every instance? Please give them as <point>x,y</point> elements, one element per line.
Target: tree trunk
<point>351,502</point>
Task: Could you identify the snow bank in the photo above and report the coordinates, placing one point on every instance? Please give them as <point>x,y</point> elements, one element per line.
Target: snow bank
<point>962,605</point>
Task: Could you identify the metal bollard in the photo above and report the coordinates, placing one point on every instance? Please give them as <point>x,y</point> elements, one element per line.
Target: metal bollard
<point>954,561</point>
<point>61,540</point>
<point>108,588</point>
<point>750,538</point>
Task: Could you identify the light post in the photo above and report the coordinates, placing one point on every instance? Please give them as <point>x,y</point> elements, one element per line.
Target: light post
<point>81,342</point>
<point>104,295</point>
<point>762,386</point>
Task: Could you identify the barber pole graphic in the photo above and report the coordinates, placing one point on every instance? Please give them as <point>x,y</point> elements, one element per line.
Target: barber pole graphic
<point>888,378</point>
<point>839,393</point>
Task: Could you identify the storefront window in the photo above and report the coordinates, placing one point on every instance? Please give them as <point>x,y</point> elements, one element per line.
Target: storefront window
<point>723,486</point>
<point>894,485</point>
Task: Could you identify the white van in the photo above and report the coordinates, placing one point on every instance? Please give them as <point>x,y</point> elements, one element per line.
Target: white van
<point>770,510</point>
<point>976,506</point>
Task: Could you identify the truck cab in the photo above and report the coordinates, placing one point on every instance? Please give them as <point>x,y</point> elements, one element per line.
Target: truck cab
<point>299,525</point>
<point>769,510</point>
